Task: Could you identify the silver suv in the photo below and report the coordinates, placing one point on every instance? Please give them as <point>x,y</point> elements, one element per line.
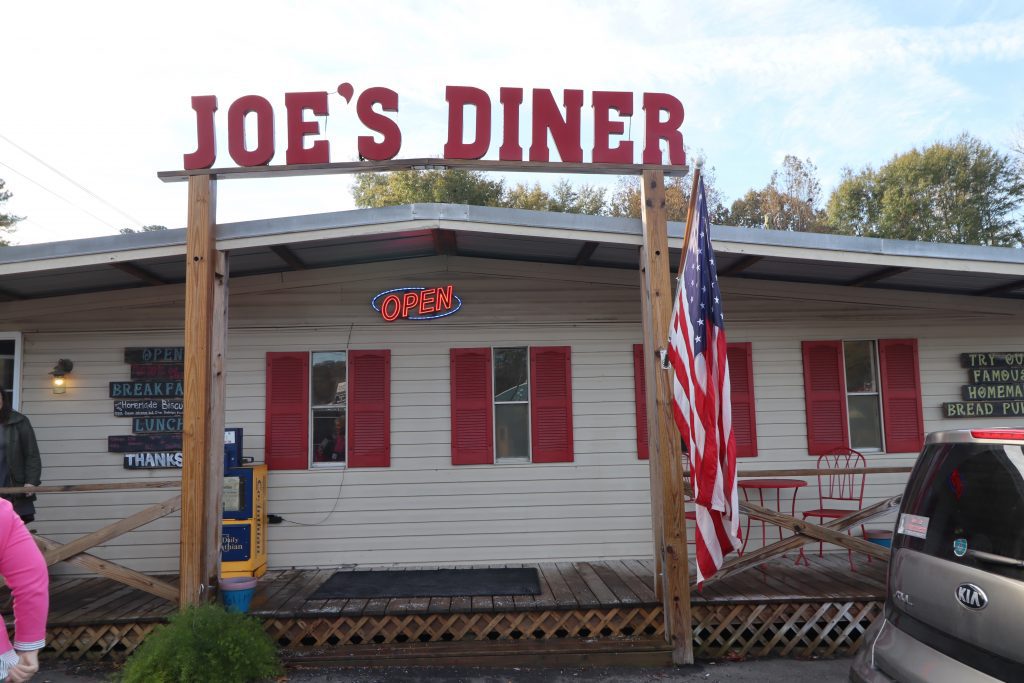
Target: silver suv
<point>955,600</point>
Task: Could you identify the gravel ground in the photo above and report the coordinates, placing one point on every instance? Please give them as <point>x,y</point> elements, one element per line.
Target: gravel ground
<point>754,671</point>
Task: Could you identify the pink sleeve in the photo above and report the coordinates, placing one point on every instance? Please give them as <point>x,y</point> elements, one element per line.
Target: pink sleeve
<point>24,569</point>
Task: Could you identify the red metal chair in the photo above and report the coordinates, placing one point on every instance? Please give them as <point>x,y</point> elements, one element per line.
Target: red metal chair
<point>839,493</point>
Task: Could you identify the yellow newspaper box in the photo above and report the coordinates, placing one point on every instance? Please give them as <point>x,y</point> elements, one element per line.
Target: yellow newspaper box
<point>243,550</point>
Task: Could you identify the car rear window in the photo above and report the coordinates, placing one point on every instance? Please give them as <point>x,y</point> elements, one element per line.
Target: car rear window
<point>964,497</point>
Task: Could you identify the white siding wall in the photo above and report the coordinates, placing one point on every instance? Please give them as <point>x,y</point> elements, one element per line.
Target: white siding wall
<point>422,509</point>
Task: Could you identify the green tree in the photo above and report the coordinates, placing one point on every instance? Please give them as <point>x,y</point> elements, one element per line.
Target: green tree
<point>144,228</point>
<point>447,186</point>
<point>457,186</point>
<point>625,200</point>
<point>566,198</point>
<point>790,201</point>
<point>8,221</point>
<point>524,196</point>
<point>958,192</point>
<point>563,198</point>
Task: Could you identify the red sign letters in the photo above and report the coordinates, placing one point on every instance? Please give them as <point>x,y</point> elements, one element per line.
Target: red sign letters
<point>561,118</point>
<point>416,303</point>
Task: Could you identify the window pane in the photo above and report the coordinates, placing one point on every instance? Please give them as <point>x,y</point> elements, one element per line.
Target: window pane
<point>328,435</point>
<point>860,366</point>
<point>510,372</point>
<point>328,385</point>
<point>974,492</point>
<point>865,422</point>
<point>7,374</point>
<point>511,431</point>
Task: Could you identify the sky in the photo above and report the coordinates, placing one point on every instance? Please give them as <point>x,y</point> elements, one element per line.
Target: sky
<point>96,97</point>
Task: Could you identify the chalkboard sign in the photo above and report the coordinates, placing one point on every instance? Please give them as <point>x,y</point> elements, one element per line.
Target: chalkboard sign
<point>147,389</point>
<point>158,371</point>
<point>992,392</point>
<point>995,375</point>
<point>138,443</point>
<point>149,406</point>
<point>154,354</point>
<point>150,425</point>
<point>984,409</point>
<point>1003,359</point>
<point>165,460</point>
<point>996,386</point>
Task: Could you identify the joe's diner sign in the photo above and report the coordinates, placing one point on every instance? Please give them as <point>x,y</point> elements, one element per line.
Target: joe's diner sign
<point>558,116</point>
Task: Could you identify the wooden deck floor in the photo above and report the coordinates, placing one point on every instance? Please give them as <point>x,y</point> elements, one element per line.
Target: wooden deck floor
<point>568,586</point>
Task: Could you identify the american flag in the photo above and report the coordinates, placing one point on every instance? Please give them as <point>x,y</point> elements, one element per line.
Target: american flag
<point>700,385</point>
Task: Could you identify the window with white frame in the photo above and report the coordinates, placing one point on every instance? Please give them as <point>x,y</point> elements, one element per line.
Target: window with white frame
<point>511,403</point>
<point>863,398</point>
<point>10,366</point>
<point>328,402</point>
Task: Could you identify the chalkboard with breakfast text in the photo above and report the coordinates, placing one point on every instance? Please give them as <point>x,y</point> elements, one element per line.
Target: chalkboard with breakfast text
<point>153,399</point>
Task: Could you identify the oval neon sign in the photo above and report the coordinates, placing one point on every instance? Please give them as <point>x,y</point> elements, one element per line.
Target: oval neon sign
<point>416,303</point>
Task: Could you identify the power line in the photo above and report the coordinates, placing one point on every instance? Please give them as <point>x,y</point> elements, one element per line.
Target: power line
<point>65,199</point>
<point>70,180</point>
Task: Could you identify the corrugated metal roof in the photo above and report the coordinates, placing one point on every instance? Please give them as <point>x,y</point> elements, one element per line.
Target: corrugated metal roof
<point>418,230</point>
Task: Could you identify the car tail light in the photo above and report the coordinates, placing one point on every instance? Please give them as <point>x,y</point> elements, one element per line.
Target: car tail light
<point>999,434</point>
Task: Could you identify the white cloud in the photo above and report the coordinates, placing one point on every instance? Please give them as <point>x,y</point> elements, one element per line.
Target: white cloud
<point>102,91</point>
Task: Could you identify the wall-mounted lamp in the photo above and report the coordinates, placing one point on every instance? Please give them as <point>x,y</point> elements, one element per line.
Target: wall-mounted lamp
<point>62,368</point>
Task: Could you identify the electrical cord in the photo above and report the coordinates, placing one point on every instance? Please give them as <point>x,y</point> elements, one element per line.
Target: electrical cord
<point>334,508</point>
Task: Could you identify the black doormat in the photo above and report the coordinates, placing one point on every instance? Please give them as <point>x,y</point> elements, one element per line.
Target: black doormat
<point>429,583</point>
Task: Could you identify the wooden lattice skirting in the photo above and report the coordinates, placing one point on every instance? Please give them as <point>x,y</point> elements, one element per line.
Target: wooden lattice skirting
<point>720,630</point>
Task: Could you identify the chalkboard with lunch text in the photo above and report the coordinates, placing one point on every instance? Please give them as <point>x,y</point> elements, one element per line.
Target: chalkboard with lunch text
<point>153,399</point>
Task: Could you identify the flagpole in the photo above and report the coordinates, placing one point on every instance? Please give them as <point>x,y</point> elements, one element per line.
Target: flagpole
<point>691,209</point>
<point>665,452</point>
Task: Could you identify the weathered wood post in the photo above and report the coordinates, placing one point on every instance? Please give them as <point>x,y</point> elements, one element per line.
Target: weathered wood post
<point>665,448</point>
<point>202,444</point>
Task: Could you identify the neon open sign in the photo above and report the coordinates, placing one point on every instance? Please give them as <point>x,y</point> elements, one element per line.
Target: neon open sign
<point>416,303</point>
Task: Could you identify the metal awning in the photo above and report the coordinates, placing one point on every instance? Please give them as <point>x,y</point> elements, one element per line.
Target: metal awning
<point>422,230</point>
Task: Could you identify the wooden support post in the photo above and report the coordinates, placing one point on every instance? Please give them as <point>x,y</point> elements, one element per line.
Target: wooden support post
<point>663,440</point>
<point>202,447</point>
<point>215,447</point>
<point>653,462</point>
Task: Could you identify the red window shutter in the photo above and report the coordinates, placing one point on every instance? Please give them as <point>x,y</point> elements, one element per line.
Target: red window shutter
<point>286,444</point>
<point>369,408</point>
<point>901,395</point>
<point>741,383</point>
<point>472,407</point>
<point>551,403</point>
<point>640,386</point>
<point>825,396</point>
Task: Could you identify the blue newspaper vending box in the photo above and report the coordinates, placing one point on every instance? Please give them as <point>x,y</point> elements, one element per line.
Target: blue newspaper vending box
<point>244,517</point>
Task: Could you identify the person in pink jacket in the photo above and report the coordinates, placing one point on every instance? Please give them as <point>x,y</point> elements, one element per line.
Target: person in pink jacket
<point>24,569</point>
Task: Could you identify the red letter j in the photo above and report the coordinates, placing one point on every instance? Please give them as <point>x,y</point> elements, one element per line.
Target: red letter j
<point>206,153</point>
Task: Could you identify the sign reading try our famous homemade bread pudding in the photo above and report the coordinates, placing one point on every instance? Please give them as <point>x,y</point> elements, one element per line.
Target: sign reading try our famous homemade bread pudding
<point>996,386</point>
<point>559,116</point>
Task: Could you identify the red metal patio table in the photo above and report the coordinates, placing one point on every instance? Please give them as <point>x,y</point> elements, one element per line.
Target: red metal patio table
<point>762,485</point>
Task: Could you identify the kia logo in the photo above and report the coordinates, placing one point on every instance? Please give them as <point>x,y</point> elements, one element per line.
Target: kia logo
<point>970,596</point>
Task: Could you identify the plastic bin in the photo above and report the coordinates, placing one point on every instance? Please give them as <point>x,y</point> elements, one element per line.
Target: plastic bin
<point>882,537</point>
<point>236,593</point>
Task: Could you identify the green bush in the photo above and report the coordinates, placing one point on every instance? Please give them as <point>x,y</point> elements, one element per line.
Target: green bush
<point>204,644</point>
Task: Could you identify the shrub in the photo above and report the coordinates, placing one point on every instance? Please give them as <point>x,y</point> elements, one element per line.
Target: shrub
<point>204,644</point>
